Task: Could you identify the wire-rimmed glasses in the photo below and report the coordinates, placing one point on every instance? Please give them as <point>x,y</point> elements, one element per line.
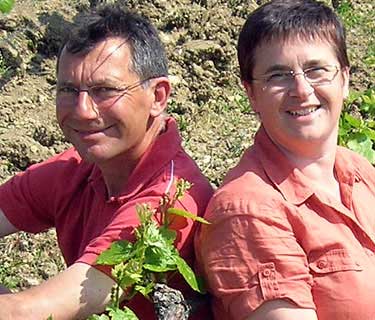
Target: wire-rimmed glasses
<point>315,76</point>
<point>102,95</point>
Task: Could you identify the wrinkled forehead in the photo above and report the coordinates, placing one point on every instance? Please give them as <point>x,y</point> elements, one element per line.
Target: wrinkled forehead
<point>101,52</point>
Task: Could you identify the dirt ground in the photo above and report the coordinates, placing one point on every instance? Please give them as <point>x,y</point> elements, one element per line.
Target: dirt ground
<point>215,120</point>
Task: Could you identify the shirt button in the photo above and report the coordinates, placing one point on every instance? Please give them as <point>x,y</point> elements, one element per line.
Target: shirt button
<point>266,272</point>
<point>322,264</point>
<point>357,179</point>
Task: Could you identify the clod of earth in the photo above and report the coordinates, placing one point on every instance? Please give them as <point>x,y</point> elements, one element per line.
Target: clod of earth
<point>170,303</point>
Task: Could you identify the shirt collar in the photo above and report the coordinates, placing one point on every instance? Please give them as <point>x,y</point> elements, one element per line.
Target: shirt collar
<point>290,181</point>
<point>348,166</point>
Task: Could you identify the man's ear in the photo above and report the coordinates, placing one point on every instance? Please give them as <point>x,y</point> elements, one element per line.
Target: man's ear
<point>250,94</point>
<point>161,90</point>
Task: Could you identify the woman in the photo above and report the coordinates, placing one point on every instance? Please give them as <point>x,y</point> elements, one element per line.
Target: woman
<point>293,225</point>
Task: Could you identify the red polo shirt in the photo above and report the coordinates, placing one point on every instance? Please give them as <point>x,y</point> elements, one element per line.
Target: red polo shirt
<point>275,236</point>
<point>69,194</point>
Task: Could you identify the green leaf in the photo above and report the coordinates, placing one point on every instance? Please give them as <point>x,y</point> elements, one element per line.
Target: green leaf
<point>362,145</point>
<point>186,214</point>
<point>118,314</point>
<point>160,269</point>
<point>189,275</point>
<point>370,61</point>
<point>145,290</point>
<point>370,133</point>
<point>160,259</point>
<point>343,131</point>
<point>118,252</point>
<point>354,122</point>
<point>6,5</point>
<point>168,234</point>
<point>97,317</point>
<point>144,213</point>
<point>152,236</point>
<point>128,274</point>
<point>370,124</point>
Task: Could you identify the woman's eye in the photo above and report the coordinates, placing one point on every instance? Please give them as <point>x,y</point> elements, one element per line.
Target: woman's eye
<point>278,76</point>
<point>316,72</point>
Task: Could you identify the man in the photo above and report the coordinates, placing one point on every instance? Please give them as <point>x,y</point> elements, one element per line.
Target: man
<point>293,226</point>
<point>112,91</point>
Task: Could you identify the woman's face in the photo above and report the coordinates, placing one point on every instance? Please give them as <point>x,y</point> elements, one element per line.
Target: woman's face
<point>299,115</point>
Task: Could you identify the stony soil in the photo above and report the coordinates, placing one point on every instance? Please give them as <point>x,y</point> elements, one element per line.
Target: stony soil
<point>214,117</point>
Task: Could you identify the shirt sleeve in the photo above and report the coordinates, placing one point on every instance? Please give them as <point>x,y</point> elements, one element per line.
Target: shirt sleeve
<point>31,198</point>
<point>249,255</point>
<point>24,200</point>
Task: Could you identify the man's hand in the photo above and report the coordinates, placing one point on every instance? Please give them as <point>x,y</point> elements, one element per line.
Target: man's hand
<point>75,293</point>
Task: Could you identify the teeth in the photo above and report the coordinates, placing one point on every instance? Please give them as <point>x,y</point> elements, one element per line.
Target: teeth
<point>303,112</point>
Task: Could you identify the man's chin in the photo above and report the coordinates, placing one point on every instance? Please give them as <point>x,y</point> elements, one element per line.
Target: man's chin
<point>94,155</point>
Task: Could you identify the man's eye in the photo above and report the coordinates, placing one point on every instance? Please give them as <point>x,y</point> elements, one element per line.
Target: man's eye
<point>105,91</point>
<point>66,90</point>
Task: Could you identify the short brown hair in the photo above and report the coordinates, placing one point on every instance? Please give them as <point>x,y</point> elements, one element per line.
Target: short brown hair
<point>285,19</point>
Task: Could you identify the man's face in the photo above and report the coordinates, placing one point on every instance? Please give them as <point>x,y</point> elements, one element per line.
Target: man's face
<point>102,129</point>
<point>300,115</point>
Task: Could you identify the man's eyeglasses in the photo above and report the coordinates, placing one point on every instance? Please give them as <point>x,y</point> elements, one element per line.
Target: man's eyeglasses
<point>315,76</point>
<point>101,95</point>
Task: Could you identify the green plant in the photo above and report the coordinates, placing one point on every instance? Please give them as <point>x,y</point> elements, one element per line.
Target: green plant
<point>358,133</point>
<point>3,66</point>
<point>348,14</point>
<point>370,55</point>
<point>139,266</point>
<point>6,5</point>
<point>242,103</point>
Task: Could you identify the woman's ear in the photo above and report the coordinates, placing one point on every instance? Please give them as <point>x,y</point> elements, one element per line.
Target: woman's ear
<point>161,90</point>
<point>250,95</point>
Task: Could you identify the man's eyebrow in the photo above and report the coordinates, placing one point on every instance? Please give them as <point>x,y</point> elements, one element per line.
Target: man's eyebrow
<point>99,82</point>
<point>65,83</point>
<point>104,82</point>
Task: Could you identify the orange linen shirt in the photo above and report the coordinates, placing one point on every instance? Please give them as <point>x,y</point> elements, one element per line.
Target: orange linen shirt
<point>274,235</point>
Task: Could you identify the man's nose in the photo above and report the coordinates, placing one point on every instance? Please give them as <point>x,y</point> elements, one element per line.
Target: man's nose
<point>85,106</point>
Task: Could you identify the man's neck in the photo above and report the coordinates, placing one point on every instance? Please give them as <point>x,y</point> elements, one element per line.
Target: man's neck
<point>116,171</point>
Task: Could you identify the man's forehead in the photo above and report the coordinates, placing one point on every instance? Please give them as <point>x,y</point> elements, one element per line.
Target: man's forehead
<point>113,47</point>
<point>108,61</point>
